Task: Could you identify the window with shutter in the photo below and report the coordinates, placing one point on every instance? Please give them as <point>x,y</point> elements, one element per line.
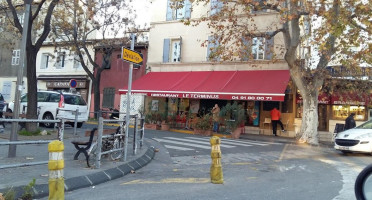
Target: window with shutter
<point>260,48</point>
<point>216,6</point>
<point>212,49</point>
<point>16,56</point>
<point>60,60</point>
<point>108,97</point>
<point>172,50</point>
<point>44,61</point>
<point>77,63</point>
<point>181,10</point>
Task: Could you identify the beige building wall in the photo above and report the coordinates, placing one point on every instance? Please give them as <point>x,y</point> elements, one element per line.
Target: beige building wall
<point>193,54</point>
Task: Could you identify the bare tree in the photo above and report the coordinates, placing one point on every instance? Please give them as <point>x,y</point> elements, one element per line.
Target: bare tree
<point>39,27</point>
<point>336,31</point>
<point>87,24</point>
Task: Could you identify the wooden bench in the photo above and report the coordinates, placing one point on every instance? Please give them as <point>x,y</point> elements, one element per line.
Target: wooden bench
<point>83,146</point>
<point>105,131</point>
<point>10,115</point>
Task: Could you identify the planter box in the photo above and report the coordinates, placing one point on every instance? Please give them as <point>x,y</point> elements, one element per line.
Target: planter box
<point>165,127</point>
<point>152,126</point>
<point>236,133</point>
<point>203,132</point>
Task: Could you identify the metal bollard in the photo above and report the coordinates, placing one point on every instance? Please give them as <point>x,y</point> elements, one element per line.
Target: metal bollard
<point>216,167</point>
<point>55,166</point>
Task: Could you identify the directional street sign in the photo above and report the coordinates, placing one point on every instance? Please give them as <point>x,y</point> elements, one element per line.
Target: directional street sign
<point>132,56</point>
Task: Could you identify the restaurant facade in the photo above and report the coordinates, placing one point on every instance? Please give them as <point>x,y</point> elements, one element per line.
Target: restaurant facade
<point>182,76</point>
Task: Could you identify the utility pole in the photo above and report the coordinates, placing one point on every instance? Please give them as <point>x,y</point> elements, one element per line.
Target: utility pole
<point>129,94</point>
<point>22,64</point>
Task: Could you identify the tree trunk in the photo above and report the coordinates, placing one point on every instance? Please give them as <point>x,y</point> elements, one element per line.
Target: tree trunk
<point>31,89</point>
<point>309,126</point>
<point>97,93</point>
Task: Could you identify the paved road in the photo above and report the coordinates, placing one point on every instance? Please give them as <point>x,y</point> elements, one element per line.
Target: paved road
<point>252,170</point>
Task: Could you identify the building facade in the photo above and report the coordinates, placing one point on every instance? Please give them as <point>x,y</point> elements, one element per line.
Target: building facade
<point>182,75</point>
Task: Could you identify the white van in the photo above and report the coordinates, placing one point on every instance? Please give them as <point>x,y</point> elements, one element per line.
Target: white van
<point>49,101</point>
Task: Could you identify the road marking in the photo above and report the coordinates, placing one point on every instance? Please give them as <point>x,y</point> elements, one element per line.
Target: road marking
<point>198,142</point>
<point>241,143</point>
<point>282,153</point>
<point>178,148</point>
<point>228,142</point>
<point>181,143</point>
<point>170,180</point>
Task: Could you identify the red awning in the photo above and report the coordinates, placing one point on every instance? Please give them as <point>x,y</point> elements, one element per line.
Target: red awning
<point>262,85</point>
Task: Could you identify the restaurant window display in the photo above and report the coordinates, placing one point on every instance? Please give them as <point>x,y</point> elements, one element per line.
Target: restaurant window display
<point>253,113</point>
<point>341,112</point>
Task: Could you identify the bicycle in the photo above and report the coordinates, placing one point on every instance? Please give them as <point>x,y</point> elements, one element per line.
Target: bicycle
<point>114,143</point>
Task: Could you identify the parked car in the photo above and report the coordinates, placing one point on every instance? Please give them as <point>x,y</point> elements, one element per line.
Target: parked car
<point>358,139</point>
<point>2,105</point>
<point>49,101</point>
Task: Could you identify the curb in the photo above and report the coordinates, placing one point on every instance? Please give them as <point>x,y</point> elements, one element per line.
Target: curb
<point>79,182</point>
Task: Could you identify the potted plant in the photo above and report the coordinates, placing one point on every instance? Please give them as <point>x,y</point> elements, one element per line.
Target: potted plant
<point>152,120</point>
<point>233,116</point>
<point>165,119</point>
<point>203,125</point>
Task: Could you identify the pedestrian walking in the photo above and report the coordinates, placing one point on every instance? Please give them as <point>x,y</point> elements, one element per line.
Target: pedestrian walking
<point>350,122</point>
<point>275,120</point>
<point>216,117</point>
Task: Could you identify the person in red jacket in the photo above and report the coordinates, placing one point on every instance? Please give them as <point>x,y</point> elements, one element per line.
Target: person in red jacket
<point>275,119</point>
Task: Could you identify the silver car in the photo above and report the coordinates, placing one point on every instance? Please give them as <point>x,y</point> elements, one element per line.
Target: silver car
<point>358,139</point>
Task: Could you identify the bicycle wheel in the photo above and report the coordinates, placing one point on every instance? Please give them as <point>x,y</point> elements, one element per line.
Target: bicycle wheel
<point>118,144</point>
<point>92,156</point>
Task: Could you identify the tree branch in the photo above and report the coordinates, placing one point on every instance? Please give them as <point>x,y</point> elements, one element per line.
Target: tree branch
<point>38,9</point>
<point>46,30</point>
<point>15,16</point>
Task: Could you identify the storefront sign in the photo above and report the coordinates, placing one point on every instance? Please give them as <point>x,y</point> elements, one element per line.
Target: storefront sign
<point>322,99</point>
<point>64,84</point>
<point>220,96</point>
<point>349,99</point>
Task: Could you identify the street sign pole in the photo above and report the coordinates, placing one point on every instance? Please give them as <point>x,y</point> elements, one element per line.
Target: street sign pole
<point>129,93</point>
<point>22,64</point>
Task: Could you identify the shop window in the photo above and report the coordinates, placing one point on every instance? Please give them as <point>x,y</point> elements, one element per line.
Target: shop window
<point>181,10</point>
<point>341,112</point>
<point>287,104</point>
<point>108,97</point>
<point>269,105</point>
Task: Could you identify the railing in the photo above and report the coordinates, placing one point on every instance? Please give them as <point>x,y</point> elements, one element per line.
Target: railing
<point>137,130</point>
<point>61,124</point>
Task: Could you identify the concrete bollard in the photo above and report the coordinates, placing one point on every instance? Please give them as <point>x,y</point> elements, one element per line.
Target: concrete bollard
<point>55,166</point>
<point>216,167</point>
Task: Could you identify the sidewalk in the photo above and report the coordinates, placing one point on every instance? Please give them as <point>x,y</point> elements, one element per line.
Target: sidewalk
<point>76,173</point>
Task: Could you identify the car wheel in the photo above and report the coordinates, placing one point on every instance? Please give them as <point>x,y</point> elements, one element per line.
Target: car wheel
<point>79,124</point>
<point>48,116</point>
<point>7,116</point>
<point>344,152</point>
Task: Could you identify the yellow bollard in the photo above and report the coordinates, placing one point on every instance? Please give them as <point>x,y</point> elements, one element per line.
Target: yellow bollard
<point>216,167</point>
<point>55,166</point>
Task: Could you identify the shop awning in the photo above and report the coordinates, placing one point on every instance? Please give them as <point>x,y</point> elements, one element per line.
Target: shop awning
<point>260,85</point>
